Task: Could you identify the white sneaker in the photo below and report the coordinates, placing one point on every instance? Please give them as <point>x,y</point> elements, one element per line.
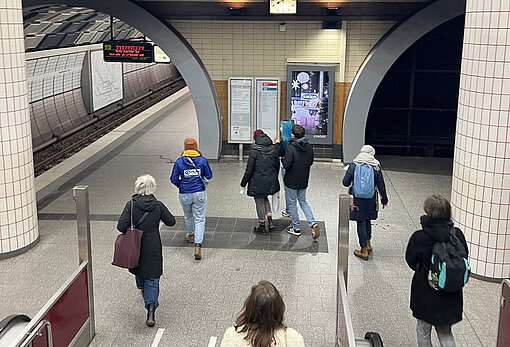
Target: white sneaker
<point>285,214</point>
<point>293,231</point>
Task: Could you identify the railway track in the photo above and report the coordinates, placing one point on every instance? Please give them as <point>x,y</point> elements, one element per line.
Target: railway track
<point>47,157</point>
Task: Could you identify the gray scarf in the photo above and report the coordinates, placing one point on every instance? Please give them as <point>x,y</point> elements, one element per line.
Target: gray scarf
<point>366,156</point>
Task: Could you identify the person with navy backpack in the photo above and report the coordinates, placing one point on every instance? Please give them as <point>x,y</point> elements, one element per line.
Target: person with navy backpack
<point>363,176</point>
<point>190,174</point>
<point>437,303</point>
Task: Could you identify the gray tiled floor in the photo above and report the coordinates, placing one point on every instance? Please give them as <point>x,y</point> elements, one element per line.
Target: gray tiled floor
<point>200,299</point>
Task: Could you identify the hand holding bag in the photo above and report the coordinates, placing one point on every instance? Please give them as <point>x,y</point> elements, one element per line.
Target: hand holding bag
<point>127,245</point>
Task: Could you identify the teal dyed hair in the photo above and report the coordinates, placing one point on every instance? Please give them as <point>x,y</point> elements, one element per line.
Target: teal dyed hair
<point>286,132</point>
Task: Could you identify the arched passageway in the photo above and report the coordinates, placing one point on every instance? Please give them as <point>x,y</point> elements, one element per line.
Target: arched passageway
<point>378,63</point>
<point>182,54</point>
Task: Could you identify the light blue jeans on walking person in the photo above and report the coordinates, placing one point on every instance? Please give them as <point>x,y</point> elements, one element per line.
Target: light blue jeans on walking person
<point>194,206</point>
<point>444,334</point>
<point>150,287</point>
<point>292,196</point>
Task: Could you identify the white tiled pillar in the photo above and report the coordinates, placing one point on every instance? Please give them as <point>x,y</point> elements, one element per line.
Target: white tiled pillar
<point>481,169</point>
<point>18,211</point>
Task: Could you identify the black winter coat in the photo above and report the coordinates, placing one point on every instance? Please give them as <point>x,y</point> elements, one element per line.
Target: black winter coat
<point>297,161</point>
<point>262,168</point>
<point>365,208</point>
<point>150,264</point>
<point>436,308</point>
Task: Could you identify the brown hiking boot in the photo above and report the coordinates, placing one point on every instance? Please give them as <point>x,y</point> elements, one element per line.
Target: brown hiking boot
<point>190,238</point>
<point>198,251</point>
<point>369,247</point>
<point>363,253</point>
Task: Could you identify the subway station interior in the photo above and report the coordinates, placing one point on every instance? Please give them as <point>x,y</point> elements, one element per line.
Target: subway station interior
<point>426,83</point>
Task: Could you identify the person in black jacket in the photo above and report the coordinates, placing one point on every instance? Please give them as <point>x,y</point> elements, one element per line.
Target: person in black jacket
<point>261,175</point>
<point>150,264</point>
<point>297,161</point>
<point>431,307</point>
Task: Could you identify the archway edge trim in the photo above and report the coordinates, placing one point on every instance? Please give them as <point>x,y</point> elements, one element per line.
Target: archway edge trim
<point>379,61</point>
<point>182,55</point>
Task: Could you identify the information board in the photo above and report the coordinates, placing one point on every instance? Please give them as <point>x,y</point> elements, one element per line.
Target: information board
<point>267,109</point>
<point>106,81</point>
<point>128,52</point>
<point>240,105</point>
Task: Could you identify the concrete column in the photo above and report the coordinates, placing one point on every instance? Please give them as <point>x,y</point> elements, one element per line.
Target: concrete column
<point>18,210</point>
<point>481,169</point>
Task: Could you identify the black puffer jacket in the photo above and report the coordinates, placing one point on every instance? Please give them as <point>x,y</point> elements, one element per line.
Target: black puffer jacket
<point>436,308</point>
<point>261,173</point>
<point>151,257</point>
<point>297,161</point>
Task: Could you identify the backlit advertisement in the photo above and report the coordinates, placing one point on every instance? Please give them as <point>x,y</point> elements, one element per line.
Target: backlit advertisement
<point>310,101</point>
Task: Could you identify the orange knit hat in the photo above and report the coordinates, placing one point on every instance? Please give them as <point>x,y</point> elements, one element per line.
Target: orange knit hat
<point>190,143</point>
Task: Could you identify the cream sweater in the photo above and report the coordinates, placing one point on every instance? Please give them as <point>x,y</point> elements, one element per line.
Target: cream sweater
<point>231,338</point>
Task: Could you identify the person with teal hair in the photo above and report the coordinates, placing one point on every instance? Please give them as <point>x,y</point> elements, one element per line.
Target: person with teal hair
<point>286,129</point>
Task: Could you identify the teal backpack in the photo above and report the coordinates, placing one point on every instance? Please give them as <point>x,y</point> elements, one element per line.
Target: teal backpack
<point>364,186</point>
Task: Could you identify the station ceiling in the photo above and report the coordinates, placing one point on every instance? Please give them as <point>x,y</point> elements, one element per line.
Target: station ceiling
<point>57,26</point>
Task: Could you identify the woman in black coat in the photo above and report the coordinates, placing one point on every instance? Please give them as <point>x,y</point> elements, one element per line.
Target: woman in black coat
<point>147,213</point>
<point>365,210</point>
<point>261,175</point>
<point>431,307</point>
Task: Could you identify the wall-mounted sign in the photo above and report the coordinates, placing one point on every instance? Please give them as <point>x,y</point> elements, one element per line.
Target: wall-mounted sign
<point>240,105</point>
<point>128,52</point>
<point>160,56</point>
<point>267,105</point>
<point>310,91</point>
<point>106,82</point>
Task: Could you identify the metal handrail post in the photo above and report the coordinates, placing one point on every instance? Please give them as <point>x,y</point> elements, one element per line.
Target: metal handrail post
<point>81,197</point>
<point>344,332</point>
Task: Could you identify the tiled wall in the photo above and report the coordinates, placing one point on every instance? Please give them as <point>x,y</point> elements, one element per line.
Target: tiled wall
<point>481,172</point>
<point>259,49</point>
<point>18,211</point>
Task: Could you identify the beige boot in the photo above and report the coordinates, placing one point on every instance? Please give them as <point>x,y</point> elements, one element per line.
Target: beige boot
<point>190,238</point>
<point>363,253</point>
<point>198,251</point>
<point>369,247</point>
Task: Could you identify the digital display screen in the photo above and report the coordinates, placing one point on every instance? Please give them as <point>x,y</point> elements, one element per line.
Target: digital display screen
<point>128,52</point>
<point>309,101</point>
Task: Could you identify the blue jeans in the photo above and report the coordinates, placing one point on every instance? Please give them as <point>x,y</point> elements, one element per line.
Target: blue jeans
<point>150,288</point>
<point>364,231</point>
<point>194,206</point>
<point>291,198</point>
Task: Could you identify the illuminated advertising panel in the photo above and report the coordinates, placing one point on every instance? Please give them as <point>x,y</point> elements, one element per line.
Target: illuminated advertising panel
<point>128,52</point>
<point>310,100</point>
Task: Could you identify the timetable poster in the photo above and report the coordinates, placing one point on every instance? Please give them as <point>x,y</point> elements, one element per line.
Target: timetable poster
<point>268,106</point>
<point>240,110</point>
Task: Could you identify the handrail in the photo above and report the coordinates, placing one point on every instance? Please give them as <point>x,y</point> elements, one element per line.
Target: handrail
<point>344,331</point>
<point>37,332</point>
<point>9,320</point>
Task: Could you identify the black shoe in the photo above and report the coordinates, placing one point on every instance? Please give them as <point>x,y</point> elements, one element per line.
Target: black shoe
<point>260,230</point>
<point>270,224</point>
<point>151,319</point>
<point>295,232</point>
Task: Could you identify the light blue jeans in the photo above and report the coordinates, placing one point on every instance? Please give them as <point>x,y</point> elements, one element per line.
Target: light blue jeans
<point>285,189</point>
<point>150,288</point>
<point>194,206</point>
<point>292,196</point>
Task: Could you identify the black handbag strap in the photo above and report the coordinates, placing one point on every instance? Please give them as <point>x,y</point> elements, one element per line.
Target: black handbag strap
<point>141,219</point>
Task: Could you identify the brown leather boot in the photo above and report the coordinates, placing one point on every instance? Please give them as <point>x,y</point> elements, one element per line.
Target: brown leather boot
<point>369,247</point>
<point>190,238</point>
<point>198,251</point>
<point>363,253</point>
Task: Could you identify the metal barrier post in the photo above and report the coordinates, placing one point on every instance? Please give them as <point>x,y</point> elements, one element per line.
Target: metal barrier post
<point>81,197</point>
<point>241,152</point>
<point>344,331</point>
